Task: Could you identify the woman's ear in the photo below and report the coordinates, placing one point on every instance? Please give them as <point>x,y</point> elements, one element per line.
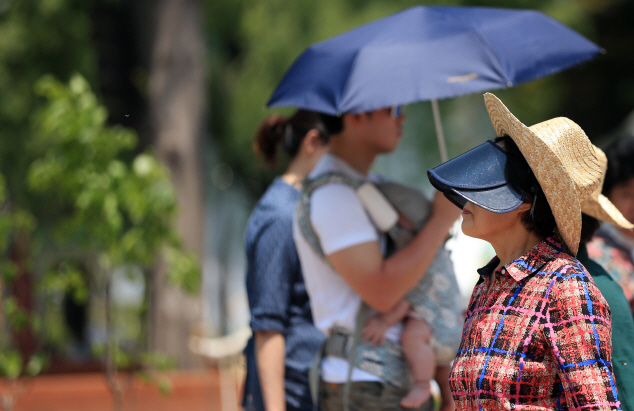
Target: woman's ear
<point>525,206</point>
<point>312,142</point>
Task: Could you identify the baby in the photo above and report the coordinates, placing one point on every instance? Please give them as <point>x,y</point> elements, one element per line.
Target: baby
<point>418,351</point>
<point>416,338</point>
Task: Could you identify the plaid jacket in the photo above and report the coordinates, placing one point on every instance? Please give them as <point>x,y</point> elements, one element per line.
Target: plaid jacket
<point>539,339</point>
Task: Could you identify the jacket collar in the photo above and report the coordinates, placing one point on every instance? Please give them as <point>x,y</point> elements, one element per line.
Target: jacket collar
<point>529,263</point>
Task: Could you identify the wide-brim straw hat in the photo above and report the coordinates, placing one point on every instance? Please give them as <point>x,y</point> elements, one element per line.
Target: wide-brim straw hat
<point>597,205</point>
<point>562,158</point>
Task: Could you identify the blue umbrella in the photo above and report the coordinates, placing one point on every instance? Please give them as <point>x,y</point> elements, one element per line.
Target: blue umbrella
<point>429,53</point>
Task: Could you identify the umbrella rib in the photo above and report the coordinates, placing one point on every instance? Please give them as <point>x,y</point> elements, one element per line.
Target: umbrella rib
<point>486,45</point>
<point>495,58</point>
<point>347,83</point>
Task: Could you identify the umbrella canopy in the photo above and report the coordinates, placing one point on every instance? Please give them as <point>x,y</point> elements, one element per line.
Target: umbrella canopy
<point>428,53</point>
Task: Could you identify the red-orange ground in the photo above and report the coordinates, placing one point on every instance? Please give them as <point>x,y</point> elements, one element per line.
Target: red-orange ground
<point>191,391</point>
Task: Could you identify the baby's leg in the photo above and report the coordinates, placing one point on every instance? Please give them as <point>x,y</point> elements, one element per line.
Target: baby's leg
<point>420,358</point>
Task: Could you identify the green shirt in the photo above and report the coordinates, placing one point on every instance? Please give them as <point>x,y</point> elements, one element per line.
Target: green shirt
<point>622,328</point>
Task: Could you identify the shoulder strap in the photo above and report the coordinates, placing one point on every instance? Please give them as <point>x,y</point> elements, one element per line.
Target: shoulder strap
<point>362,316</point>
<point>303,205</point>
<point>308,231</point>
<point>408,201</point>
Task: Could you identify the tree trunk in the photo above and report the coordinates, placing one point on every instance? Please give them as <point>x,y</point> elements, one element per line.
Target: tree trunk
<point>22,289</point>
<point>176,104</point>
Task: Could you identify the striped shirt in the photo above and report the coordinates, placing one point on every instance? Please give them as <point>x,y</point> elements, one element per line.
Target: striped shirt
<point>540,338</point>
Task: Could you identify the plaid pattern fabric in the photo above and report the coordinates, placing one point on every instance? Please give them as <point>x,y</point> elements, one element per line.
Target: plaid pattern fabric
<point>539,339</point>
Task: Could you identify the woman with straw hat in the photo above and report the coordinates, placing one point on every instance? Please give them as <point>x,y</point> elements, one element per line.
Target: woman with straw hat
<point>538,330</point>
<point>597,208</point>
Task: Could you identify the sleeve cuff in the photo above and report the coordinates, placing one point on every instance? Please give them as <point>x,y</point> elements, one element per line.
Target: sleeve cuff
<point>267,324</point>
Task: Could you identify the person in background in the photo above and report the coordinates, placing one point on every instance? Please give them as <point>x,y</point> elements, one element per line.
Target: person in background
<point>538,331</point>
<point>598,208</point>
<point>612,246</point>
<point>285,340</point>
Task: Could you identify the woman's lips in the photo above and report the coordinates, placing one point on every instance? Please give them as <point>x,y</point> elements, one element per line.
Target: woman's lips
<point>465,211</point>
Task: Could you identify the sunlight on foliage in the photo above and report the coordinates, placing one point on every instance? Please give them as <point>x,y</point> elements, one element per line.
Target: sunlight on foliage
<point>108,210</point>
<point>122,213</point>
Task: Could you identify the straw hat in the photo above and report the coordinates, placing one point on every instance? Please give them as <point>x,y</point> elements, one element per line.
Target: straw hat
<point>562,158</point>
<point>598,205</point>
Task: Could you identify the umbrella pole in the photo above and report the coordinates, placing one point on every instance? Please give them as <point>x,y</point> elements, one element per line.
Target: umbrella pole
<point>439,134</point>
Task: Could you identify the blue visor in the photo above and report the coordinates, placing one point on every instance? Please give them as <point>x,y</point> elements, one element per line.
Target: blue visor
<point>477,176</point>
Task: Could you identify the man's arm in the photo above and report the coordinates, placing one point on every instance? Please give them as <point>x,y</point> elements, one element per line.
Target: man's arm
<point>270,349</point>
<point>382,283</point>
<point>397,313</point>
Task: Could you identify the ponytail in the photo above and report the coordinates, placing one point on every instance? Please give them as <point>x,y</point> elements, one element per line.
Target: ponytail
<point>288,133</point>
<point>268,137</point>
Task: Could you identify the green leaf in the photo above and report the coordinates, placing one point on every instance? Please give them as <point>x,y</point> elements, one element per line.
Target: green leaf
<point>10,364</point>
<point>36,365</point>
<point>165,385</point>
<point>183,269</point>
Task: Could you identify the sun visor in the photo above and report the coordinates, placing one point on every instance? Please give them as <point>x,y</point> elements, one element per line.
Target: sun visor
<point>477,176</point>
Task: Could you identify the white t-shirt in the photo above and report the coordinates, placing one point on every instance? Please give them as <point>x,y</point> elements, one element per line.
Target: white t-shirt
<point>339,221</point>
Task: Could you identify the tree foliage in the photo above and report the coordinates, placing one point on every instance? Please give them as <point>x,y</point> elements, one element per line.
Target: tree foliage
<point>36,37</point>
<point>112,211</point>
<point>107,210</point>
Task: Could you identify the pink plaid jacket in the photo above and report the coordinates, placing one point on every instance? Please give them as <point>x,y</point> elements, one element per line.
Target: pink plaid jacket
<point>540,339</point>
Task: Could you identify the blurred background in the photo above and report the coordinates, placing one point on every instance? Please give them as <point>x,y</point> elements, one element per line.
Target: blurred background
<point>127,170</point>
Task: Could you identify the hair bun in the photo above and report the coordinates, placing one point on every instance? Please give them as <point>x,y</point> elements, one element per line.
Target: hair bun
<point>269,135</point>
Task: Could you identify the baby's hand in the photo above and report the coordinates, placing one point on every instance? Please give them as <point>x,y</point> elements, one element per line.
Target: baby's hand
<point>374,331</point>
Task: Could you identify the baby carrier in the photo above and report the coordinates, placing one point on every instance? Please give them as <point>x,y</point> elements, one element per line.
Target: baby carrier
<point>435,299</point>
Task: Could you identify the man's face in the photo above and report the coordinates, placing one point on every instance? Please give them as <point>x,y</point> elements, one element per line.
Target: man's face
<point>622,196</point>
<point>383,129</point>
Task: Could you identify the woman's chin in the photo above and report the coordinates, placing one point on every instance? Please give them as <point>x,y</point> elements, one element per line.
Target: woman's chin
<point>467,229</point>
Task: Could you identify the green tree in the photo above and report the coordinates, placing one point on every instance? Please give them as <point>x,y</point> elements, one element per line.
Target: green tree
<point>115,210</point>
<point>62,37</point>
<point>109,209</point>
<point>36,37</point>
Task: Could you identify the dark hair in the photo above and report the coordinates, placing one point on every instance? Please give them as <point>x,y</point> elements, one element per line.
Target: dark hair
<point>289,133</point>
<point>334,124</point>
<point>620,164</point>
<point>589,225</point>
<point>539,219</point>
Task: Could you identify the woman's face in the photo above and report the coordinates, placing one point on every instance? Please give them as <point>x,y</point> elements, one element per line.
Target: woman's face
<point>488,226</point>
<point>622,196</point>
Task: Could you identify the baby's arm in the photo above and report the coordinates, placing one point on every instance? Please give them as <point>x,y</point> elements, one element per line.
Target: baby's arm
<point>376,326</point>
